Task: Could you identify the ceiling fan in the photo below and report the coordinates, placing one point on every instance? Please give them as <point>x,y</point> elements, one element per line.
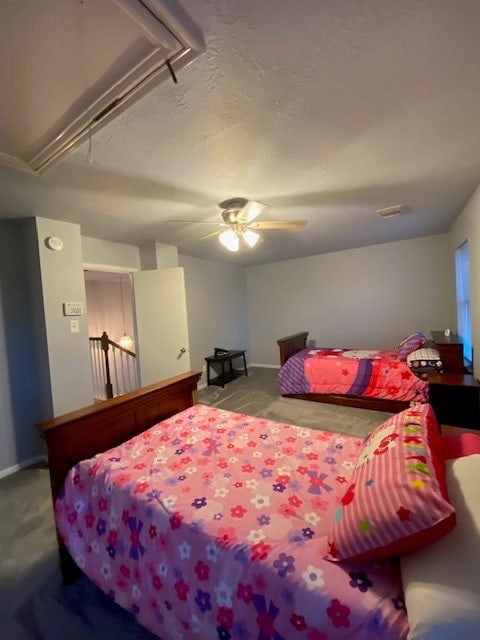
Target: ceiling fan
<point>239,218</point>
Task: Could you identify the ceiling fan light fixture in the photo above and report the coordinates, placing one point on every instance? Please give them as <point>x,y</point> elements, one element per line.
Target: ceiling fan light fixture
<point>239,217</point>
<point>126,341</point>
<point>230,240</point>
<point>251,237</point>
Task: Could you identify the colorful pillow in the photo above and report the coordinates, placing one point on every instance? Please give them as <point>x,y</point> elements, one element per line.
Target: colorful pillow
<point>397,499</point>
<point>409,344</point>
<point>442,589</point>
<point>424,361</point>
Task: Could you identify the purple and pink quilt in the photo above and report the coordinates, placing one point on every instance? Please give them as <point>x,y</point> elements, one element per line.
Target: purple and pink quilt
<point>351,372</point>
<point>214,524</point>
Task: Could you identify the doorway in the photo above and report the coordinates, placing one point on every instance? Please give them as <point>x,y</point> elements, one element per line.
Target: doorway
<point>150,306</point>
<point>112,335</point>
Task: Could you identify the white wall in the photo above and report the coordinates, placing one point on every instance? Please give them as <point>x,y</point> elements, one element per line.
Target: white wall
<point>216,308</point>
<point>20,406</point>
<point>467,227</point>
<point>45,369</point>
<point>110,254</point>
<point>370,297</point>
<point>166,256</point>
<point>158,256</point>
<point>62,281</point>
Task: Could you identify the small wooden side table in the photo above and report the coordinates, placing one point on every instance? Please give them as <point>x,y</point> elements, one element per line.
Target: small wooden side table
<point>450,349</point>
<point>230,374</point>
<point>455,398</point>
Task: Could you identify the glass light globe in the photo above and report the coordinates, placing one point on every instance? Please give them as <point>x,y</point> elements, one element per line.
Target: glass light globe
<point>229,239</point>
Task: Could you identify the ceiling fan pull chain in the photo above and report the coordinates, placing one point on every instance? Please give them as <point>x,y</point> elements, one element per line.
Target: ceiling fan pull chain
<point>172,72</point>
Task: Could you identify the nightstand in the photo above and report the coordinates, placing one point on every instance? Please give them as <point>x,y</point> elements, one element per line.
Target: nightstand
<point>455,398</point>
<point>450,349</point>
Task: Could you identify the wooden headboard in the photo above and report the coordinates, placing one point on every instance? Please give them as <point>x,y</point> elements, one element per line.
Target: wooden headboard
<point>290,345</point>
<point>81,434</point>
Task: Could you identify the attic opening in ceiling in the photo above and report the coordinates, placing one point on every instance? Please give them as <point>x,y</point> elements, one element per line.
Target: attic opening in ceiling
<point>82,64</point>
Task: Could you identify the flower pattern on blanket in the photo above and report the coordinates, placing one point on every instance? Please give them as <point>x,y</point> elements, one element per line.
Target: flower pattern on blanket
<point>213,524</point>
<point>352,372</point>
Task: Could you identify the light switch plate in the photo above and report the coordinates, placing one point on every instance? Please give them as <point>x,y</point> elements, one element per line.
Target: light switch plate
<point>74,326</point>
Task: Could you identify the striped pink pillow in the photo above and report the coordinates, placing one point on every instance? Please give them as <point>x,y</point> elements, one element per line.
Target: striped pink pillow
<point>397,499</point>
<point>409,344</point>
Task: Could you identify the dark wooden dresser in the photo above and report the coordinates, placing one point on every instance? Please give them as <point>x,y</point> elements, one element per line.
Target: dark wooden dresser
<point>455,398</point>
<point>454,394</point>
<point>451,351</point>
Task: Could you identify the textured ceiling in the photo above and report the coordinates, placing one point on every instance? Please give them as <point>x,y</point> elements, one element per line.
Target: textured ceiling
<point>325,110</point>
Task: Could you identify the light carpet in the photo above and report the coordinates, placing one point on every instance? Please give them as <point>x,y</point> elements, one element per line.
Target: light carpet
<point>35,605</point>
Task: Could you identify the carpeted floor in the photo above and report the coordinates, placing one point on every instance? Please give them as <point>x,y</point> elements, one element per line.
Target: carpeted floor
<point>258,395</point>
<point>35,605</point>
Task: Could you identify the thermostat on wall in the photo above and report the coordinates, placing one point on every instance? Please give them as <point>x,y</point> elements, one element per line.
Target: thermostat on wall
<point>72,308</point>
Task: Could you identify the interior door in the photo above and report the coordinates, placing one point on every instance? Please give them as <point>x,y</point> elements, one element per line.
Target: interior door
<point>161,320</point>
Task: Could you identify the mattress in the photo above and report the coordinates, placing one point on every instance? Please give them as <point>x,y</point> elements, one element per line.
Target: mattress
<point>351,372</point>
<point>213,524</point>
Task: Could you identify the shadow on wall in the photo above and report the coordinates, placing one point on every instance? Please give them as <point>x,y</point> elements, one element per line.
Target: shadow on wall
<point>20,402</point>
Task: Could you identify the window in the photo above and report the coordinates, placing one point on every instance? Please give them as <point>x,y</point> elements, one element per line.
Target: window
<point>462,276</point>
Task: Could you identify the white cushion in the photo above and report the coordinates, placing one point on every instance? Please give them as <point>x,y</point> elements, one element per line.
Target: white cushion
<point>426,354</point>
<point>442,581</point>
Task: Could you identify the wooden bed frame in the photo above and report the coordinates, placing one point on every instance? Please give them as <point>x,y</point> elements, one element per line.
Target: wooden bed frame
<point>290,345</point>
<point>82,434</point>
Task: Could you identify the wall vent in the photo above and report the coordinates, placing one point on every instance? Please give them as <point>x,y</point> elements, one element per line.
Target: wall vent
<point>391,212</point>
<point>126,47</point>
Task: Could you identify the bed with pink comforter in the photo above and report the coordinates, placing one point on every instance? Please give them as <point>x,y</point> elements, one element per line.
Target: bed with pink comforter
<point>351,372</point>
<point>213,524</point>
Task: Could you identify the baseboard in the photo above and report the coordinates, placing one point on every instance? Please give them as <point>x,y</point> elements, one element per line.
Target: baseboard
<point>265,366</point>
<point>26,463</point>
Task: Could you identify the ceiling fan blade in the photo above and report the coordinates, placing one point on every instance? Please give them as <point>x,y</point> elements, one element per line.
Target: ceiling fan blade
<point>210,235</point>
<point>195,240</point>
<point>218,224</point>
<point>276,224</point>
<point>250,211</point>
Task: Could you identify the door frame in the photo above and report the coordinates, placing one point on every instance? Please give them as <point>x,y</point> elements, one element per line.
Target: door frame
<point>90,266</point>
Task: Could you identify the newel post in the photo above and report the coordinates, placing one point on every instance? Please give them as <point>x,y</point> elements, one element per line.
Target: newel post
<point>105,347</point>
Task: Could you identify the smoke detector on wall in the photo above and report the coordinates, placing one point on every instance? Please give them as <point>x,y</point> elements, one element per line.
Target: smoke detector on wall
<point>392,212</point>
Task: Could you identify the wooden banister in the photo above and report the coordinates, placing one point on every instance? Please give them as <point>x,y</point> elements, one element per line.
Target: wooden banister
<point>104,341</point>
<point>108,346</point>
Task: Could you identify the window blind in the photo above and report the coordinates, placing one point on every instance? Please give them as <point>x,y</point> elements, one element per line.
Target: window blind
<point>462,276</point>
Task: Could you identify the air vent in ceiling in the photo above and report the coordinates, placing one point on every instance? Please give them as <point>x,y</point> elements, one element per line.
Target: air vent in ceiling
<point>78,65</point>
<point>391,212</point>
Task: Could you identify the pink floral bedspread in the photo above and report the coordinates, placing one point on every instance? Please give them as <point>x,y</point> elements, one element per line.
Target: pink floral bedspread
<point>352,372</point>
<point>213,524</point>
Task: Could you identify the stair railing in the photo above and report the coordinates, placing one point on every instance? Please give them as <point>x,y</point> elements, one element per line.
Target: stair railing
<point>114,368</point>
